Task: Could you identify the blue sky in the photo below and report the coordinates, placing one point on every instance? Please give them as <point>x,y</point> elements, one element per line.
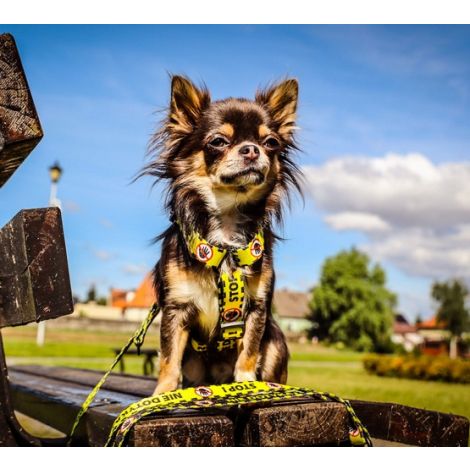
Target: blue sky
<point>389,102</point>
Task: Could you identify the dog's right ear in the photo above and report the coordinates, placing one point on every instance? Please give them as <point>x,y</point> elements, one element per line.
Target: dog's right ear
<point>187,104</point>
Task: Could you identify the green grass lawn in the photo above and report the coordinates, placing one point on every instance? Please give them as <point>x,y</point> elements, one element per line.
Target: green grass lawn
<point>324,369</point>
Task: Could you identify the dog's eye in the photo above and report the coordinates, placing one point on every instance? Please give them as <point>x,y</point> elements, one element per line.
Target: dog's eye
<point>271,143</point>
<point>219,142</point>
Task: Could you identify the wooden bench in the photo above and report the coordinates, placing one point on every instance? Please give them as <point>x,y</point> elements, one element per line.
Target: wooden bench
<point>35,286</point>
<point>149,356</point>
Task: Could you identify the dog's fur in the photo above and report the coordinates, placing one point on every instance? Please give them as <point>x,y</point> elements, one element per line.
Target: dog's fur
<point>225,196</point>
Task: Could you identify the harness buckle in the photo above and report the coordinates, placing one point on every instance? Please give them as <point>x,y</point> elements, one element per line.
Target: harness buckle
<point>226,344</point>
<point>199,347</point>
<point>233,330</point>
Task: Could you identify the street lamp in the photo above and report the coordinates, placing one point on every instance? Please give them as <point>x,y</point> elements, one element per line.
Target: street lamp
<point>55,172</point>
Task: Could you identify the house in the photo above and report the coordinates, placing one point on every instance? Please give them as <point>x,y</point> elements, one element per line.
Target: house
<point>135,304</point>
<point>120,297</point>
<point>290,310</point>
<point>405,334</point>
<point>435,337</point>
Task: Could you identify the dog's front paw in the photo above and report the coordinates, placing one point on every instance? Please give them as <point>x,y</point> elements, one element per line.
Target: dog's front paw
<point>244,376</point>
<point>165,386</point>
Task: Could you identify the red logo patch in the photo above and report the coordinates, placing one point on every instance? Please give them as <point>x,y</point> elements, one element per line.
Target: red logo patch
<point>203,252</point>
<point>256,249</point>
<point>203,391</point>
<point>231,314</point>
<point>273,385</point>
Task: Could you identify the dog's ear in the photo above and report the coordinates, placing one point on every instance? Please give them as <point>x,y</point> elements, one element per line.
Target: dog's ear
<point>281,102</point>
<point>187,104</point>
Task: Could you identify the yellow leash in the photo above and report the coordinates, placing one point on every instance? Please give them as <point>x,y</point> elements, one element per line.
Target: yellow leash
<point>223,396</point>
<point>137,339</point>
<point>214,396</point>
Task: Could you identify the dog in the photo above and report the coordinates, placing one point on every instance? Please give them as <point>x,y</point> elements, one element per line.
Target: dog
<point>229,170</point>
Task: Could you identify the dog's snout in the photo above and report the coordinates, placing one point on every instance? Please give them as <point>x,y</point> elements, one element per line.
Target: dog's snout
<point>249,152</point>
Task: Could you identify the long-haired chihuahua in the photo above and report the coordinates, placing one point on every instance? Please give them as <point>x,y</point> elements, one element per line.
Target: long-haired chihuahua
<point>229,169</point>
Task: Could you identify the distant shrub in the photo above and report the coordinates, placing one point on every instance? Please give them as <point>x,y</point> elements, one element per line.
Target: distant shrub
<point>439,368</point>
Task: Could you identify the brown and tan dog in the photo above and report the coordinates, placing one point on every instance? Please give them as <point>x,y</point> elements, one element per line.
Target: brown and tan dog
<point>229,170</point>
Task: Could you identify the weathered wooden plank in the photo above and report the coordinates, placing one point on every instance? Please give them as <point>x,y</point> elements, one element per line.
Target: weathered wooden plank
<point>184,428</point>
<point>53,395</point>
<point>34,277</point>
<point>56,402</point>
<point>414,426</point>
<point>307,424</point>
<point>11,432</point>
<point>123,383</point>
<point>20,129</point>
<point>196,431</point>
<point>375,416</point>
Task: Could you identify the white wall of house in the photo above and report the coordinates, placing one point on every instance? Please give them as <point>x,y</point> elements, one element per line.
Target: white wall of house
<point>293,325</point>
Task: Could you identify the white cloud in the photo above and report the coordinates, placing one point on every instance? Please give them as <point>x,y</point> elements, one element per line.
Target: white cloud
<point>71,206</point>
<point>106,223</point>
<point>357,221</point>
<point>415,213</point>
<point>103,255</point>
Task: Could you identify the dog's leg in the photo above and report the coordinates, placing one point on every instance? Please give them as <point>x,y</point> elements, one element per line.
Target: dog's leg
<point>274,355</point>
<point>245,367</point>
<point>174,336</point>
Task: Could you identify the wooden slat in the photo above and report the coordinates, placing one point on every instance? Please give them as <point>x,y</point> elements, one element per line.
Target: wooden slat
<point>184,428</point>
<point>307,424</point>
<point>47,390</point>
<point>414,426</point>
<point>138,386</point>
<point>197,431</point>
<point>56,402</point>
<point>20,129</point>
<point>34,277</point>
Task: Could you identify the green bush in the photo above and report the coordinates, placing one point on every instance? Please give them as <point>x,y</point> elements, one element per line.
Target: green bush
<point>439,368</point>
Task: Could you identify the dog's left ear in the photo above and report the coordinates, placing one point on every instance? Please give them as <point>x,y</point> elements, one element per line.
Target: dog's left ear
<point>281,102</point>
<point>187,103</point>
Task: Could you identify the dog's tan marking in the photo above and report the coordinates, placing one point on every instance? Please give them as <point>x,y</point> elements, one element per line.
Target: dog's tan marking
<point>186,286</point>
<point>258,285</point>
<point>198,164</point>
<point>271,358</point>
<point>263,131</point>
<point>170,367</point>
<point>227,130</point>
<point>245,368</point>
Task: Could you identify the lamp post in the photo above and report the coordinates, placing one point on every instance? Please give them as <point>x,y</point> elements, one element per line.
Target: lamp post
<point>55,172</point>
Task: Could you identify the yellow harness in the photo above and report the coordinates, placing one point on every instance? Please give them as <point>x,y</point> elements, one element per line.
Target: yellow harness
<point>231,287</point>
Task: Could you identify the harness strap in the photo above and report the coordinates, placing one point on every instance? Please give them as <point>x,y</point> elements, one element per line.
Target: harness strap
<point>231,286</point>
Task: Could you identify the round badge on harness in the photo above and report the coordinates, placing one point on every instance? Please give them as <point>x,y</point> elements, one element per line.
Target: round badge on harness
<point>231,314</point>
<point>203,391</point>
<point>203,252</point>
<point>273,385</point>
<point>256,249</point>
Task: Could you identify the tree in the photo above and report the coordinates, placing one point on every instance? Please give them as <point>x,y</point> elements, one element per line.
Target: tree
<point>351,303</point>
<point>450,296</point>
<point>91,294</point>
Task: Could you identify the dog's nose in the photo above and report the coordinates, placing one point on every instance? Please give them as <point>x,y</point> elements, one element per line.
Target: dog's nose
<point>249,152</point>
